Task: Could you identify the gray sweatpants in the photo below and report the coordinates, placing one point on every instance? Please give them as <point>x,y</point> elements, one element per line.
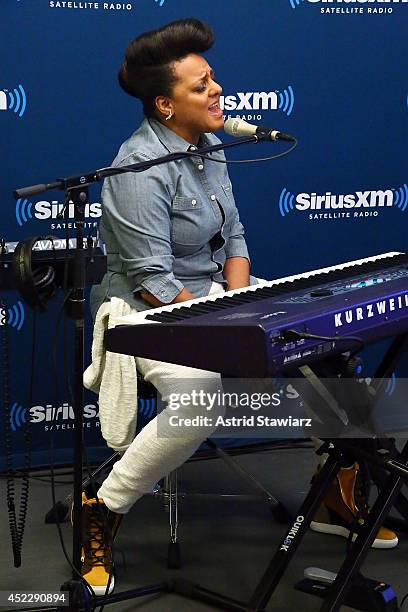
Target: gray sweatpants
<point>159,448</point>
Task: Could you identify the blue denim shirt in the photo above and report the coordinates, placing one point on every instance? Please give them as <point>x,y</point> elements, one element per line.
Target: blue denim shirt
<point>170,227</point>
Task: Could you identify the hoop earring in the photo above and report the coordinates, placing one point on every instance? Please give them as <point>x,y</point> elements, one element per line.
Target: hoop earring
<point>169,116</point>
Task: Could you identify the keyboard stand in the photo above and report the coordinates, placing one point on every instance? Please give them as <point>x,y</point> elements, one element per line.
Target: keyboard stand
<point>397,474</point>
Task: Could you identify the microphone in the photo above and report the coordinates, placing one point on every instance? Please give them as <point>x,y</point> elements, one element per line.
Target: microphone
<point>238,127</point>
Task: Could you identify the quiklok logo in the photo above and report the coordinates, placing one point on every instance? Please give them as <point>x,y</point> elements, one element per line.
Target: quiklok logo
<point>17,416</point>
<point>371,7</point>
<point>12,316</point>
<point>352,205</point>
<point>259,101</point>
<point>44,210</point>
<point>14,100</point>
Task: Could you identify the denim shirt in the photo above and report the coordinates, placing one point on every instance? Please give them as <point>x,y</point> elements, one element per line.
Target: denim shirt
<point>170,227</point>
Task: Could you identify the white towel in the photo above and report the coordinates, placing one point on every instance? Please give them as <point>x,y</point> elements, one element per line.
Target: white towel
<point>114,377</point>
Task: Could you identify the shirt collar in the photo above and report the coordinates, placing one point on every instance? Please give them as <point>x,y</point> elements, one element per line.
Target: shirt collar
<point>172,141</point>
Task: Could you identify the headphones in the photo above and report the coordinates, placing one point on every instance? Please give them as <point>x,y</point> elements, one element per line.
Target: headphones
<point>35,281</point>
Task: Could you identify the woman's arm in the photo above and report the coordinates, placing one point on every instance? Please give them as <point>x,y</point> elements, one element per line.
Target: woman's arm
<point>236,272</point>
<point>137,210</point>
<point>183,296</point>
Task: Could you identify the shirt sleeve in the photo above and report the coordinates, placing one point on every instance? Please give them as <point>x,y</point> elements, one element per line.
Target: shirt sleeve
<point>236,245</point>
<point>137,207</point>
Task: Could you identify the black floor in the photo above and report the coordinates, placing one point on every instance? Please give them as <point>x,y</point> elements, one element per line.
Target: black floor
<point>225,544</point>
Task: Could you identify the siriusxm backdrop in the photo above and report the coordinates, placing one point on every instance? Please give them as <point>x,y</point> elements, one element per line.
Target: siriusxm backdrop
<point>332,72</point>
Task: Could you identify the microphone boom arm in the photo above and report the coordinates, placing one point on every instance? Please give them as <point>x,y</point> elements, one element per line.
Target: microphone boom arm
<point>86,179</point>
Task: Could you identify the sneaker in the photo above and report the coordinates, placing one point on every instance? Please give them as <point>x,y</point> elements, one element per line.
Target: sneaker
<point>98,534</point>
<point>346,506</point>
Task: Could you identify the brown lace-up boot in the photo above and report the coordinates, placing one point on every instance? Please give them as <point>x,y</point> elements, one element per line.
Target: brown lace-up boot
<point>99,528</point>
<point>345,507</point>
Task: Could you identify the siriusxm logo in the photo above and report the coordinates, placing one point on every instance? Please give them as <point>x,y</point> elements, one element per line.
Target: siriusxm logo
<point>14,100</point>
<point>147,407</point>
<point>17,416</point>
<point>261,100</point>
<point>13,316</point>
<point>391,385</point>
<point>58,417</point>
<point>343,6</point>
<point>62,417</point>
<point>358,204</point>
<point>94,6</point>
<point>44,210</point>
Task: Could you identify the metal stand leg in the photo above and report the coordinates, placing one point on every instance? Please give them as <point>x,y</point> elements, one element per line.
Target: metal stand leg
<point>173,554</point>
<point>283,554</point>
<point>365,538</point>
<point>279,511</point>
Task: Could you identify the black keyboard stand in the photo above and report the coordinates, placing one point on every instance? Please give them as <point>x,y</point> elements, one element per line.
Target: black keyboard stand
<point>393,470</point>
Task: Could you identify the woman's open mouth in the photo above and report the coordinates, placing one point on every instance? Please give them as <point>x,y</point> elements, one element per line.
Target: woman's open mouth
<point>215,109</point>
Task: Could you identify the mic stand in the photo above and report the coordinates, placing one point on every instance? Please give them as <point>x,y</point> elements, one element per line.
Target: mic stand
<point>75,310</point>
<point>79,181</point>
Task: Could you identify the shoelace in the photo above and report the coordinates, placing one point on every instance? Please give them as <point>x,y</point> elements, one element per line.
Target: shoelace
<point>362,492</point>
<point>99,548</point>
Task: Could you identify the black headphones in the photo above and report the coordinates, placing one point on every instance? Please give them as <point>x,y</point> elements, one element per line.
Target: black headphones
<point>35,281</point>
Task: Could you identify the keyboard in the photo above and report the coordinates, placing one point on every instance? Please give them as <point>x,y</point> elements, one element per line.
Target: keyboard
<point>278,325</point>
<point>54,253</point>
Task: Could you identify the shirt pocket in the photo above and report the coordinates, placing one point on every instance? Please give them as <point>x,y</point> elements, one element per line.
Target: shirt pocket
<point>191,225</point>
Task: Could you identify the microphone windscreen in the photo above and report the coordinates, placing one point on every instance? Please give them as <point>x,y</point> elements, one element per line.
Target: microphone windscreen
<point>238,127</point>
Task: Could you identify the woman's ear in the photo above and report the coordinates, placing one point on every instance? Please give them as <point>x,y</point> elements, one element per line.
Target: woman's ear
<point>163,105</point>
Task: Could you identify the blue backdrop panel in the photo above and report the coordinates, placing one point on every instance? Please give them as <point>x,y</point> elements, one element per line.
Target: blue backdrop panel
<point>334,73</point>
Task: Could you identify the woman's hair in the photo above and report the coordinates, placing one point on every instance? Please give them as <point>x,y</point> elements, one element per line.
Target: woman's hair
<point>147,71</point>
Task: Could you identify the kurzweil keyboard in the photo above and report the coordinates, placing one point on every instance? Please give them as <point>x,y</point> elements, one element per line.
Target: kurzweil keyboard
<point>272,327</point>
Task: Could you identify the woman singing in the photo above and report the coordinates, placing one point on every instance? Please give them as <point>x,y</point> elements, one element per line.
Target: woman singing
<point>172,233</point>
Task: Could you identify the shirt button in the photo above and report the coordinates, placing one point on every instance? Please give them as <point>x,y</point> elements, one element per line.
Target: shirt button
<point>193,148</point>
<point>200,167</point>
<point>194,202</point>
<point>213,197</point>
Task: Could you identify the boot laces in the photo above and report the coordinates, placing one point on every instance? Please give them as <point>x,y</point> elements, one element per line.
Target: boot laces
<point>99,549</point>
<point>362,492</point>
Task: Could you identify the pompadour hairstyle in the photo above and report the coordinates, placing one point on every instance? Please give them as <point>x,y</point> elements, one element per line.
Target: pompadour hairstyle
<point>147,72</point>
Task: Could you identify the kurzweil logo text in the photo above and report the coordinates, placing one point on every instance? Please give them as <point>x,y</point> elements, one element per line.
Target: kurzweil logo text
<point>369,311</point>
<point>343,206</point>
<point>370,7</point>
